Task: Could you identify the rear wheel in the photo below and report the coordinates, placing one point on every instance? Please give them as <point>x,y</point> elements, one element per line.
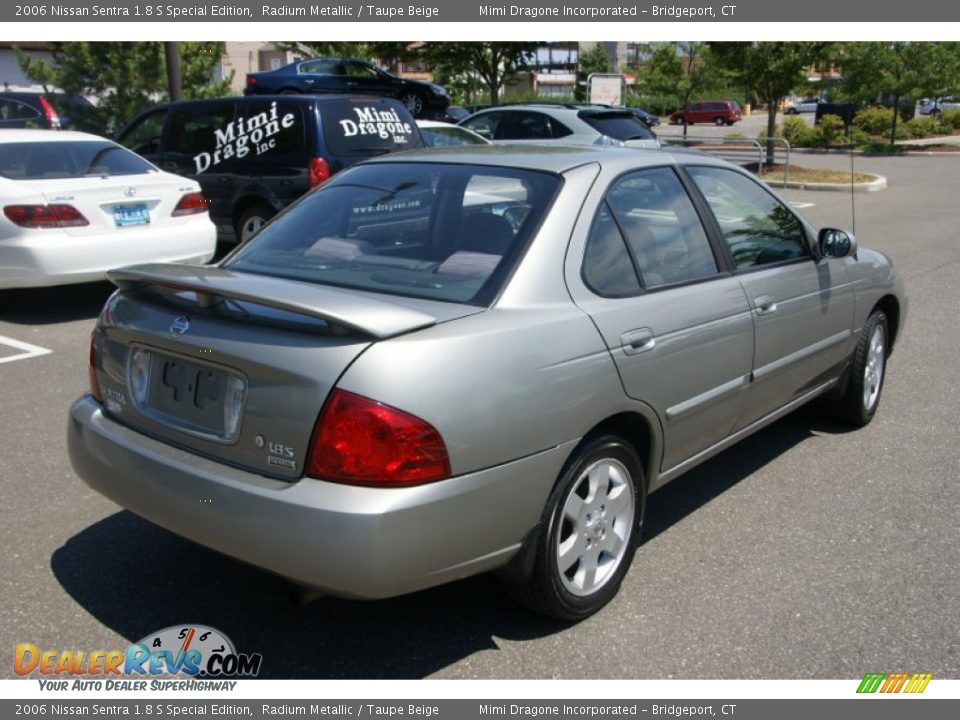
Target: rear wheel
<point>588,533</point>
<point>251,220</point>
<point>861,396</point>
<point>719,121</point>
<point>289,91</point>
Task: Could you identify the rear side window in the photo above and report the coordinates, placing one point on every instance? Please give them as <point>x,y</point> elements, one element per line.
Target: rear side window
<point>48,160</point>
<point>144,137</point>
<point>320,67</point>
<point>438,231</point>
<point>620,126</point>
<point>274,131</point>
<point>207,134</point>
<point>14,110</point>
<point>354,128</point>
<point>485,125</point>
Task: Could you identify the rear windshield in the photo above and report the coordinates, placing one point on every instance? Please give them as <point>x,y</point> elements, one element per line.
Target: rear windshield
<point>363,128</point>
<point>437,231</point>
<point>69,159</point>
<point>618,125</point>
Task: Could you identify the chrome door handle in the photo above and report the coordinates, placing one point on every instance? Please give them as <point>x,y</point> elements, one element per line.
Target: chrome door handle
<point>638,341</point>
<point>765,305</point>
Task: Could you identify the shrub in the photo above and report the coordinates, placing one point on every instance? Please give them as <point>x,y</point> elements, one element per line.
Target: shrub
<point>832,128</point>
<point>950,119</point>
<point>794,129</point>
<point>857,137</point>
<point>874,120</point>
<point>921,126</point>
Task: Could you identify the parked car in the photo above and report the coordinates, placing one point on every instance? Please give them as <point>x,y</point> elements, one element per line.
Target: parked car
<point>348,75</point>
<point>648,118</point>
<point>253,156</point>
<point>392,386</point>
<point>935,106</point>
<point>718,112</point>
<point>76,205</point>
<point>441,134</point>
<point>455,114</point>
<point>845,111</point>
<point>47,111</point>
<point>807,105</point>
<point>571,124</point>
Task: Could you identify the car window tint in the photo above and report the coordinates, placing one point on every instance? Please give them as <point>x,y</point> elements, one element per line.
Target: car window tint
<point>451,136</point>
<point>661,227</point>
<point>207,134</point>
<point>68,159</point>
<point>357,128</point>
<point>618,125</point>
<point>13,110</point>
<point>275,130</point>
<point>525,126</point>
<point>757,227</point>
<point>144,137</point>
<point>485,125</point>
<point>430,230</point>
<point>318,67</point>
<point>360,70</point>
<point>607,269</point>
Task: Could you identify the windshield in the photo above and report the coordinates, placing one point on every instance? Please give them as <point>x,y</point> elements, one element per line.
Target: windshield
<point>68,159</point>
<point>437,231</point>
<point>618,125</point>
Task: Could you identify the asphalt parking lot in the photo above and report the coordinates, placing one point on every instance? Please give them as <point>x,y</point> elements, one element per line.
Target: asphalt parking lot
<point>805,552</point>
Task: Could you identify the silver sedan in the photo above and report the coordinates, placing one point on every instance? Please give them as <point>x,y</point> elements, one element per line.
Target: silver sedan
<point>469,359</point>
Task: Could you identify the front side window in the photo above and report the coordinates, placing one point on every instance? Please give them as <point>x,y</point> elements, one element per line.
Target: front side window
<point>485,125</point>
<point>360,70</point>
<point>144,137</point>
<point>758,228</point>
<point>429,230</point>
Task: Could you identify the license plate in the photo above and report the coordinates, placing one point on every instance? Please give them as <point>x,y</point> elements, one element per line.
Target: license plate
<point>136,214</point>
<point>188,393</point>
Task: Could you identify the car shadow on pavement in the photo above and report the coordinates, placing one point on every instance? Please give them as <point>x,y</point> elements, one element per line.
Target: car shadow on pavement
<point>46,306</point>
<point>151,579</point>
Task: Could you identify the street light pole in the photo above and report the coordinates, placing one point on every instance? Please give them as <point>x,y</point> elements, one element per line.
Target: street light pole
<point>173,71</point>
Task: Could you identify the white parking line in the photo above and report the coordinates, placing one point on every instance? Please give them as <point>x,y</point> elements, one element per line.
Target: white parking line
<point>29,350</point>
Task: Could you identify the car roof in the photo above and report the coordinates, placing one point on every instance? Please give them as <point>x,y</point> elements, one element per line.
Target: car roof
<point>19,135</point>
<point>304,98</point>
<point>554,157</point>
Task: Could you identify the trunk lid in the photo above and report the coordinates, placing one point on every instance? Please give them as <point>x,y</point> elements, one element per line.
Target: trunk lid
<point>234,366</point>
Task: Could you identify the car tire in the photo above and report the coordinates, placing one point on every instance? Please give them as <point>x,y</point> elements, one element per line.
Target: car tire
<point>414,102</point>
<point>860,396</point>
<point>587,535</point>
<point>290,91</point>
<point>719,121</point>
<point>251,220</point>
<point>791,111</point>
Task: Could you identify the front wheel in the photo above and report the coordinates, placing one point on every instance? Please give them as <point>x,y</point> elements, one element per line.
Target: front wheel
<point>719,121</point>
<point>414,103</point>
<point>251,220</point>
<point>861,396</point>
<point>588,533</point>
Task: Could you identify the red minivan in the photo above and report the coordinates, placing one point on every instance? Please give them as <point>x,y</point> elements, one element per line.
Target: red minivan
<point>718,112</point>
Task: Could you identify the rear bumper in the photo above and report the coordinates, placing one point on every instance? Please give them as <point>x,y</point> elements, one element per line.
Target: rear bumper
<point>42,258</point>
<point>349,541</point>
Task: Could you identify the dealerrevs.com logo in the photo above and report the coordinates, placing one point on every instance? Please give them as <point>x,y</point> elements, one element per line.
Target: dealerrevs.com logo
<point>184,651</point>
<point>898,682</point>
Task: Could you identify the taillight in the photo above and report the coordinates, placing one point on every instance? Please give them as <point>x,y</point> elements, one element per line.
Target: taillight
<point>45,216</point>
<point>53,120</point>
<point>251,80</point>
<point>190,204</point>
<point>92,369</point>
<point>360,441</point>
<point>319,171</point>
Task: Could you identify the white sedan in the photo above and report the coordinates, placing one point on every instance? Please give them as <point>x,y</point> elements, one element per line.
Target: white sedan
<point>73,206</point>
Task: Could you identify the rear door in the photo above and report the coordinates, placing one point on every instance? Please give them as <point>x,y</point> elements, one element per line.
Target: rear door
<point>802,308</point>
<point>322,76</point>
<point>678,328</point>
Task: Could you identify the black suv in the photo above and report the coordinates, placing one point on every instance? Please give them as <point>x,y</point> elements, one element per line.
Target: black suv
<point>253,156</point>
<point>44,111</point>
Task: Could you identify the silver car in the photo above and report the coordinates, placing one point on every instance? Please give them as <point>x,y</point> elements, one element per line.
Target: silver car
<point>465,359</point>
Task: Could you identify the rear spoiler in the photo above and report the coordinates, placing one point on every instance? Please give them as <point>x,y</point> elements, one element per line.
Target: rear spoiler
<point>355,310</point>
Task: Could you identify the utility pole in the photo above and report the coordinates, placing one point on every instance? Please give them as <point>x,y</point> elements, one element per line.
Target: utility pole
<point>173,71</point>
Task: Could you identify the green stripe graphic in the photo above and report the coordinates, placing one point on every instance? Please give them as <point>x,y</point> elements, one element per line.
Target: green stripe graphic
<point>871,682</point>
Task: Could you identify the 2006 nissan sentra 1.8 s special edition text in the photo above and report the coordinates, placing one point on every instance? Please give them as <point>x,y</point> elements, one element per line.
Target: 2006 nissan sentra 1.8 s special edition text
<point>458,360</point>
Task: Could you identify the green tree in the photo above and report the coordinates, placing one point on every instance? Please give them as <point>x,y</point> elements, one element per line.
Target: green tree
<point>771,69</point>
<point>679,71</point>
<point>124,77</point>
<point>494,63</point>
<point>595,60</point>
<point>891,71</point>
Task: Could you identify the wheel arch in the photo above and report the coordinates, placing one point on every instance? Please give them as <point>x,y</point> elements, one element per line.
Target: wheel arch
<point>890,307</point>
<point>637,430</point>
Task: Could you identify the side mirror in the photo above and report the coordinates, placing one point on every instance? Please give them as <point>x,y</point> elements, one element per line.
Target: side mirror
<point>834,243</point>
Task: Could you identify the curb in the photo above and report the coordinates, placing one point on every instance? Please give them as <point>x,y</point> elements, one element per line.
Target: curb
<point>873,186</point>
